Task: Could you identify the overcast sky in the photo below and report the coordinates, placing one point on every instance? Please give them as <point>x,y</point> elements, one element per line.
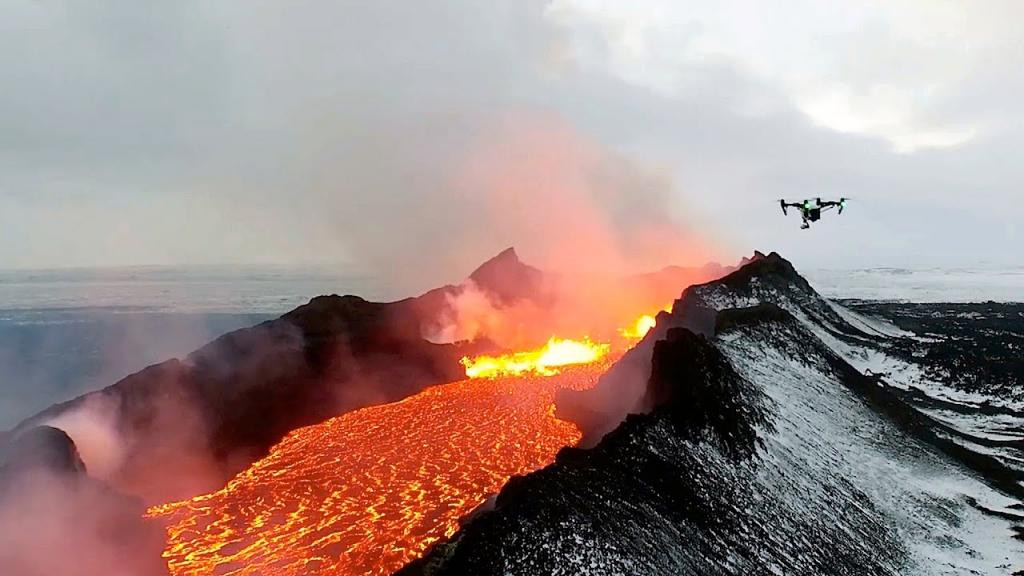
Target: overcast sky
<point>413,139</point>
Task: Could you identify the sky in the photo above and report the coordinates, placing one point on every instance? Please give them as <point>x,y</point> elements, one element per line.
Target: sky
<point>411,140</point>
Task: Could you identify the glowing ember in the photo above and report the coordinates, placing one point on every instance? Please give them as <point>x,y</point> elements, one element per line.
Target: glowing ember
<point>544,361</point>
<point>366,492</point>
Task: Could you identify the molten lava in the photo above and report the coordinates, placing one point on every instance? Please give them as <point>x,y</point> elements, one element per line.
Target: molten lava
<point>368,491</point>
<point>642,325</point>
<point>371,490</point>
<point>640,328</point>
<point>544,361</point>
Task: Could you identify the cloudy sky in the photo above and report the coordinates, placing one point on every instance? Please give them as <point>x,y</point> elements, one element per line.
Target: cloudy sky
<point>413,139</point>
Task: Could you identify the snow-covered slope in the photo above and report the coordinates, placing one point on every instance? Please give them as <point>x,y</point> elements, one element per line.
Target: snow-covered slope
<point>972,425</point>
<point>770,449</point>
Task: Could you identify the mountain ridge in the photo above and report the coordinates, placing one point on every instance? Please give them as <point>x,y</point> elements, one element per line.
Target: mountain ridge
<point>844,478</point>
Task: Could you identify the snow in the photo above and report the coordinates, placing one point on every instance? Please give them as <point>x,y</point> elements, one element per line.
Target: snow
<point>977,284</point>
<point>869,325</point>
<point>823,426</point>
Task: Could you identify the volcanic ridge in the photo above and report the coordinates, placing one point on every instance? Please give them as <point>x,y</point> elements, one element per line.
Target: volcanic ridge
<point>756,434</point>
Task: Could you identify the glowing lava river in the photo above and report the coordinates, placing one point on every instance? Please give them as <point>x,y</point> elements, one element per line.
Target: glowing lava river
<point>371,490</point>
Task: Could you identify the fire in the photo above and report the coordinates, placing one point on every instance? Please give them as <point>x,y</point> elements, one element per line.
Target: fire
<point>544,361</point>
<point>371,490</point>
<point>642,325</point>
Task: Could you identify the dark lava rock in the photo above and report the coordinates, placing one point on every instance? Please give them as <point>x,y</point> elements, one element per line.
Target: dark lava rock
<point>42,448</point>
<point>506,277</point>
<point>693,384</point>
<point>770,280</point>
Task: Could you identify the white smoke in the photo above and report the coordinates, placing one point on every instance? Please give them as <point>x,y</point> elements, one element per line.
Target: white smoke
<point>92,426</point>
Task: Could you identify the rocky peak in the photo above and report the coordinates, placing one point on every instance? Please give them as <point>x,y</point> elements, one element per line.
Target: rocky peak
<point>507,277</point>
<point>43,448</point>
<point>758,255</point>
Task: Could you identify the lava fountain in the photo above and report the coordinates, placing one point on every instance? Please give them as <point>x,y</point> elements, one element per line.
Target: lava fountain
<point>371,490</point>
<point>545,361</point>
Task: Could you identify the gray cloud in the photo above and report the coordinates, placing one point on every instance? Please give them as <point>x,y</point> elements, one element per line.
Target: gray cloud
<point>393,138</point>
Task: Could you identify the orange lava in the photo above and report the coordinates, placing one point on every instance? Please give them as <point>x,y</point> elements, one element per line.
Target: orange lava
<point>642,325</point>
<point>368,491</point>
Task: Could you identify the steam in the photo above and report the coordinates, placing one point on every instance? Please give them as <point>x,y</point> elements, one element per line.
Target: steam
<point>569,204</point>
<point>166,457</point>
<point>523,179</point>
<point>55,524</point>
<point>469,313</point>
<point>92,426</point>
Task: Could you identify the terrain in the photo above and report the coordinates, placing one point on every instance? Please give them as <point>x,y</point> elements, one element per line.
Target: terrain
<point>764,429</point>
<point>753,426</point>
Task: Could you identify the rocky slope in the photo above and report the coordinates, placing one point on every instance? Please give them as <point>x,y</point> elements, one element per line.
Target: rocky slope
<point>766,445</point>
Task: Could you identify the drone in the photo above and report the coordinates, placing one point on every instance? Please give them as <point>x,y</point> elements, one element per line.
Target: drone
<point>810,210</point>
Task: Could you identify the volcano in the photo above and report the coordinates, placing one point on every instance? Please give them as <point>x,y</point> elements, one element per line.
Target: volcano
<point>752,426</point>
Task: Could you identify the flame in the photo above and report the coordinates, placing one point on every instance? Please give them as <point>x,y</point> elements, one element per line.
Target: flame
<point>543,361</point>
<point>642,325</point>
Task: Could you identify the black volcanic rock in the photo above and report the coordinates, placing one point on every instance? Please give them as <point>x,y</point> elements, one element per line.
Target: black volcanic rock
<point>733,317</point>
<point>504,280</point>
<point>693,384</point>
<point>42,448</point>
<point>757,256</point>
<point>763,279</point>
<point>773,269</point>
<point>507,278</point>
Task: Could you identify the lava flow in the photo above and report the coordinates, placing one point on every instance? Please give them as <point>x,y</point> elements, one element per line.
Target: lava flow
<point>371,490</point>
